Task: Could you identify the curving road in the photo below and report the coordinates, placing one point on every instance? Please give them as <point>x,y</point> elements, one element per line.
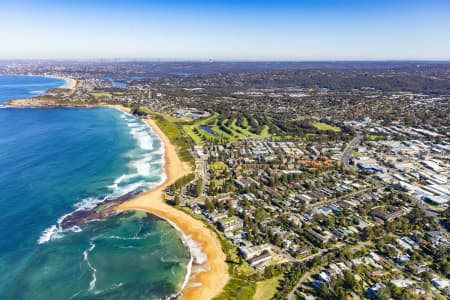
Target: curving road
<point>349,149</point>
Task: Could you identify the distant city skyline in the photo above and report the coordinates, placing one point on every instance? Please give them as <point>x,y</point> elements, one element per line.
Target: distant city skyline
<point>226,30</point>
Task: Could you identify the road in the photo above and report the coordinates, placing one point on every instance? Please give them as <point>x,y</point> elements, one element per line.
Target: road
<point>291,295</point>
<point>349,149</point>
<point>201,171</point>
<point>315,269</point>
<point>431,213</point>
<point>310,207</point>
<point>205,176</point>
<point>307,274</point>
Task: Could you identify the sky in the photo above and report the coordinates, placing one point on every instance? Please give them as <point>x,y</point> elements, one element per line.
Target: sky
<point>285,30</point>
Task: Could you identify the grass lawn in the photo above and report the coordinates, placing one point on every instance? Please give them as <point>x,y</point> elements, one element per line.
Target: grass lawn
<point>309,135</point>
<point>372,137</point>
<point>324,126</point>
<point>197,138</point>
<point>267,288</point>
<point>145,110</point>
<point>218,165</point>
<point>237,288</point>
<point>217,182</point>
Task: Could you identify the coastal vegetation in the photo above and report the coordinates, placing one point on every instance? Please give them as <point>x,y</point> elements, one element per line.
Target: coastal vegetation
<point>181,182</point>
<point>49,101</point>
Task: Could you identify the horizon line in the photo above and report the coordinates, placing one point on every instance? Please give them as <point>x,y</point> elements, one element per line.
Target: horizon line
<point>207,60</point>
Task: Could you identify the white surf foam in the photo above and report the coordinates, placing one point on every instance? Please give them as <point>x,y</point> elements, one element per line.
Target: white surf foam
<point>196,251</point>
<point>195,284</point>
<point>145,167</point>
<point>197,255</point>
<point>87,203</point>
<point>47,234</point>
<point>113,287</point>
<point>143,137</point>
<point>37,92</point>
<point>116,237</point>
<point>94,270</point>
<point>160,151</point>
<point>56,231</point>
<point>116,183</point>
<point>130,188</point>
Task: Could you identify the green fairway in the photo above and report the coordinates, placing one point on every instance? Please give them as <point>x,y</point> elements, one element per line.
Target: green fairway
<point>324,126</point>
<point>199,136</point>
<point>222,130</point>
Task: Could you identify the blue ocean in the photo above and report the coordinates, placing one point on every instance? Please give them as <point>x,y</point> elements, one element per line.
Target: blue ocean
<point>56,161</point>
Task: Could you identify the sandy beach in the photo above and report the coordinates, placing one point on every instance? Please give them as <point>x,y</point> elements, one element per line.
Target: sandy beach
<point>207,277</point>
<point>214,275</point>
<point>72,83</point>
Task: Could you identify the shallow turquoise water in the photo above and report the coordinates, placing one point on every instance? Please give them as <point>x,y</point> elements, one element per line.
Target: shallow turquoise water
<point>54,161</point>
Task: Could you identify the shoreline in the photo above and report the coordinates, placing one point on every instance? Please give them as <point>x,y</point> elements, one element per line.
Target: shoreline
<point>205,278</point>
<point>208,276</point>
<point>71,83</point>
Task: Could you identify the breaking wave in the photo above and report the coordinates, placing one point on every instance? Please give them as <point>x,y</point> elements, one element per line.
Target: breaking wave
<point>146,170</point>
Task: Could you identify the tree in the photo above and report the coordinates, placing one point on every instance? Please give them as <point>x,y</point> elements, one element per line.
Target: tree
<point>278,240</point>
<point>349,280</point>
<point>177,200</point>
<point>324,291</point>
<point>231,210</point>
<point>208,205</point>
<point>384,293</point>
<point>260,215</point>
<point>198,188</point>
